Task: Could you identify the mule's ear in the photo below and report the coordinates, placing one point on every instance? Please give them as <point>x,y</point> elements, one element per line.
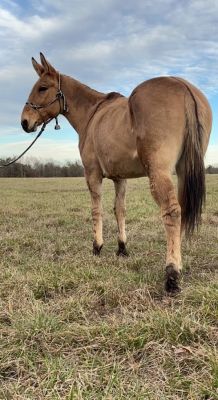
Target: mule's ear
<point>46,65</point>
<point>38,68</point>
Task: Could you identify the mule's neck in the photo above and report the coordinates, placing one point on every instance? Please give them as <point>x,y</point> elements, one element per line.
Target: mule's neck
<point>81,101</point>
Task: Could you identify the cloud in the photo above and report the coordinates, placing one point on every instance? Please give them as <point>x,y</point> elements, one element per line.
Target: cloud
<point>97,40</point>
<point>25,30</point>
<point>211,157</point>
<point>111,45</point>
<point>45,149</point>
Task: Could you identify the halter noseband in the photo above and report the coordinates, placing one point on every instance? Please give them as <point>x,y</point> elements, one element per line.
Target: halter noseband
<point>59,95</point>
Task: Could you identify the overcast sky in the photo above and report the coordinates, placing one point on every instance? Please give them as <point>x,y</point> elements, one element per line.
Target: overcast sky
<point>111,45</point>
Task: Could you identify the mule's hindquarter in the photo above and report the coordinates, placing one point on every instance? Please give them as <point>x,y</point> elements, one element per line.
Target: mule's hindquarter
<point>159,121</point>
<point>160,109</point>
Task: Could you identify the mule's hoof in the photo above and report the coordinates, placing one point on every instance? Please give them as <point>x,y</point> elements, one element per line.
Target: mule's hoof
<point>96,249</point>
<point>172,280</point>
<point>122,252</point>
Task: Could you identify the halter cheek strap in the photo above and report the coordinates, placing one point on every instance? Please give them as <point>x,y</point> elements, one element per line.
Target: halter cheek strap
<point>59,95</point>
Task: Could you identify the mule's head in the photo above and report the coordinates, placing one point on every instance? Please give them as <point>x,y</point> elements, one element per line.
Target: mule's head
<point>38,108</point>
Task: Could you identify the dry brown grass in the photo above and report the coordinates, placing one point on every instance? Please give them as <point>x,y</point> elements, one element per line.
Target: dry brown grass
<point>74,326</point>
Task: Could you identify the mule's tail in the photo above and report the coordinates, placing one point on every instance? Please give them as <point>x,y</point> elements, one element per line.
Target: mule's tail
<point>192,192</point>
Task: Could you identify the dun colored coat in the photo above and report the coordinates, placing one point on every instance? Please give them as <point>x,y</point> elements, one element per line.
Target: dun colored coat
<point>163,126</point>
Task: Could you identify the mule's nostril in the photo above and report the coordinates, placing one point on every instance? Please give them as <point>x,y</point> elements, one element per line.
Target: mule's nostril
<point>24,124</point>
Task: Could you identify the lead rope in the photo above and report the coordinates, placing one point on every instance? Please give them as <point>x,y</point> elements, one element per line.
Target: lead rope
<point>17,158</point>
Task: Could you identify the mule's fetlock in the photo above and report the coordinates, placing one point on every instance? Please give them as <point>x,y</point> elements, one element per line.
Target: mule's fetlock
<point>96,248</point>
<point>122,252</point>
<point>172,278</point>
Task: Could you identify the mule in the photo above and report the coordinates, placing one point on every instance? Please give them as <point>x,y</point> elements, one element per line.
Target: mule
<point>163,126</point>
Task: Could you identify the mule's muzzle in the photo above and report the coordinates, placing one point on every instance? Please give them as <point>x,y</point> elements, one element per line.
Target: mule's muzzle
<point>24,125</point>
<point>27,128</point>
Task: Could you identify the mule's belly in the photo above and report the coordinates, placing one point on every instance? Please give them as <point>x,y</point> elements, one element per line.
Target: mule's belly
<point>117,155</point>
<point>118,163</point>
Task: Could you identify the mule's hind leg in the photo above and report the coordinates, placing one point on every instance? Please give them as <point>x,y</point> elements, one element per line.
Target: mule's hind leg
<point>163,191</point>
<point>119,211</point>
<point>94,183</point>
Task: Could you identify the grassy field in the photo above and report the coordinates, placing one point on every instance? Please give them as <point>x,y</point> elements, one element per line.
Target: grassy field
<point>73,326</point>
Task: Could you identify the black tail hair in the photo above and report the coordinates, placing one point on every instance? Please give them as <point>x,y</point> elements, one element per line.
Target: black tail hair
<point>193,193</point>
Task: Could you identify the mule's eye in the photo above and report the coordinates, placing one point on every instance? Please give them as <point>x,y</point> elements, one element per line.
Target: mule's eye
<point>43,88</point>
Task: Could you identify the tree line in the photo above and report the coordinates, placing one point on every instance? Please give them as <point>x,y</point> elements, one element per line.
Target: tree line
<point>35,169</point>
<point>211,170</point>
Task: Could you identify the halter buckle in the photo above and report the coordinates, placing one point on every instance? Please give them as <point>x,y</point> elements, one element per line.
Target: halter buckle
<point>59,94</point>
<point>57,126</point>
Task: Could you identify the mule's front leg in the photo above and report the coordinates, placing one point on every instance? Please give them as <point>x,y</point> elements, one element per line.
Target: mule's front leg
<point>95,184</point>
<point>119,211</point>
